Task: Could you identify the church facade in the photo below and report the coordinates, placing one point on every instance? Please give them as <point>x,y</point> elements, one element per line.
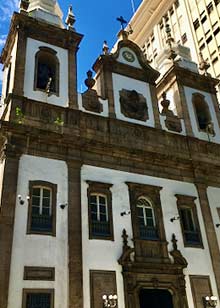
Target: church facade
<point>114,191</point>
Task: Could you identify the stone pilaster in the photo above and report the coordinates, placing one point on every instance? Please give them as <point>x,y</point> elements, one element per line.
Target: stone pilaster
<point>18,87</point>
<point>7,215</point>
<point>210,232</point>
<point>73,99</point>
<point>75,235</point>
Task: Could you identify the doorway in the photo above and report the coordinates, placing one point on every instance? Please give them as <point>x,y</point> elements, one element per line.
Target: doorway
<point>155,298</point>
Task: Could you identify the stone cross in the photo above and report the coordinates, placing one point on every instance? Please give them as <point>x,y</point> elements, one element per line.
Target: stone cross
<point>122,22</point>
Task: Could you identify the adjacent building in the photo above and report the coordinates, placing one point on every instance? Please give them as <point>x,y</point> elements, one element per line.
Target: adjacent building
<point>194,24</point>
<point>114,191</point>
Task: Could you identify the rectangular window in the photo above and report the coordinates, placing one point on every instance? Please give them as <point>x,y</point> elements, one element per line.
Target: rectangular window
<point>146,220</point>
<point>100,211</point>
<point>34,298</point>
<point>42,208</point>
<point>189,221</point>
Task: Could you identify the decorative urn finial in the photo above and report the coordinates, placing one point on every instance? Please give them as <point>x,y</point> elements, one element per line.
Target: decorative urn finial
<point>24,4</point>
<point>105,48</point>
<point>170,42</point>
<point>89,82</point>
<point>203,65</point>
<point>70,19</point>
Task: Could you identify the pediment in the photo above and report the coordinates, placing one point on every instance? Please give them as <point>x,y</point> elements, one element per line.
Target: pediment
<point>130,54</point>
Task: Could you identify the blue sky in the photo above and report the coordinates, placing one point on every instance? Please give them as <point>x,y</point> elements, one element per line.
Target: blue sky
<point>96,20</point>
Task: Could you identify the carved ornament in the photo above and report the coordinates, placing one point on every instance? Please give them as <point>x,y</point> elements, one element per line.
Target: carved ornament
<point>133,105</point>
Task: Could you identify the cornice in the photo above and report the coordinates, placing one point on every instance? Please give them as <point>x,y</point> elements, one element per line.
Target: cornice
<point>39,30</point>
<point>111,143</point>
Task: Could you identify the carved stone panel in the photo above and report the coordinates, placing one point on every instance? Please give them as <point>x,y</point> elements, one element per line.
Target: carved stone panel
<point>39,273</point>
<point>201,288</point>
<point>101,283</point>
<point>90,101</point>
<point>133,105</point>
<point>173,123</point>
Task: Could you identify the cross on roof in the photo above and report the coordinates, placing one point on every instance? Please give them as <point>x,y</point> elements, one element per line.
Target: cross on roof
<point>122,22</point>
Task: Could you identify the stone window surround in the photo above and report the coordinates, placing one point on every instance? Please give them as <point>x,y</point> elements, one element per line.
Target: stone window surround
<point>53,53</point>
<point>185,201</point>
<point>108,287</point>
<point>151,193</point>
<point>104,189</point>
<point>31,291</point>
<point>53,187</point>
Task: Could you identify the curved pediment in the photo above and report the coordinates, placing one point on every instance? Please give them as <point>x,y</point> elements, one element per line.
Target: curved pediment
<point>127,58</point>
<point>128,53</point>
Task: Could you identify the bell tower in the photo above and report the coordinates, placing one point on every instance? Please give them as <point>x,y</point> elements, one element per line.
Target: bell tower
<point>39,57</point>
<point>39,79</point>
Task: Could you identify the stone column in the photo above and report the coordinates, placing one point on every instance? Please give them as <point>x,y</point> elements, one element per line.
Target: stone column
<point>210,232</point>
<point>7,215</point>
<point>75,235</point>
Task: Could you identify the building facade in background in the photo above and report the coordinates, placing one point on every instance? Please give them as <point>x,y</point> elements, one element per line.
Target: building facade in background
<point>114,191</point>
<point>194,24</point>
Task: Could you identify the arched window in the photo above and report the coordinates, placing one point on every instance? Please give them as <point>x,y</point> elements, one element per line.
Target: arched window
<point>47,70</point>
<point>42,208</point>
<point>201,111</point>
<point>146,219</point>
<point>100,211</point>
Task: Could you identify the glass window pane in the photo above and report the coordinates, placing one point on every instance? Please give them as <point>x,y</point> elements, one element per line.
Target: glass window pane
<point>141,221</point>
<point>46,211</point>
<point>35,201</point>
<point>191,226</point>
<point>103,209</point>
<point>102,200</point>
<point>46,193</point>
<point>103,217</point>
<point>36,191</point>
<point>93,199</point>
<point>94,216</point>
<point>149,212</point>
<point>150,222</point>
<point>35,300</point>
<point>35,210</point>
<point>93,208</point>
<point>140,211</point>
<point>46,202</point>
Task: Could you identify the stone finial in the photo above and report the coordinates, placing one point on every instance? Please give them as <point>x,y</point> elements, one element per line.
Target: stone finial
<point>89,82</point>
<point>165,104</point>
<point>174,241</point>
<point>105,48</point>
<point>24,4</point>
<point>70,19</point>
<point>176,254</point>
<point>203,65</point>
<point>125,238</point>
<point>170,41</point>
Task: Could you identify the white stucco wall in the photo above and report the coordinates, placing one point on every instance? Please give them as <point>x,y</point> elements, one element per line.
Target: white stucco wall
<point>214,197</point>
<point>62,55</point>
<point>40,250</point>
<point>208,98</point>
<point>5,74</point>
<point>121,82</point>
<point>103,255</point>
